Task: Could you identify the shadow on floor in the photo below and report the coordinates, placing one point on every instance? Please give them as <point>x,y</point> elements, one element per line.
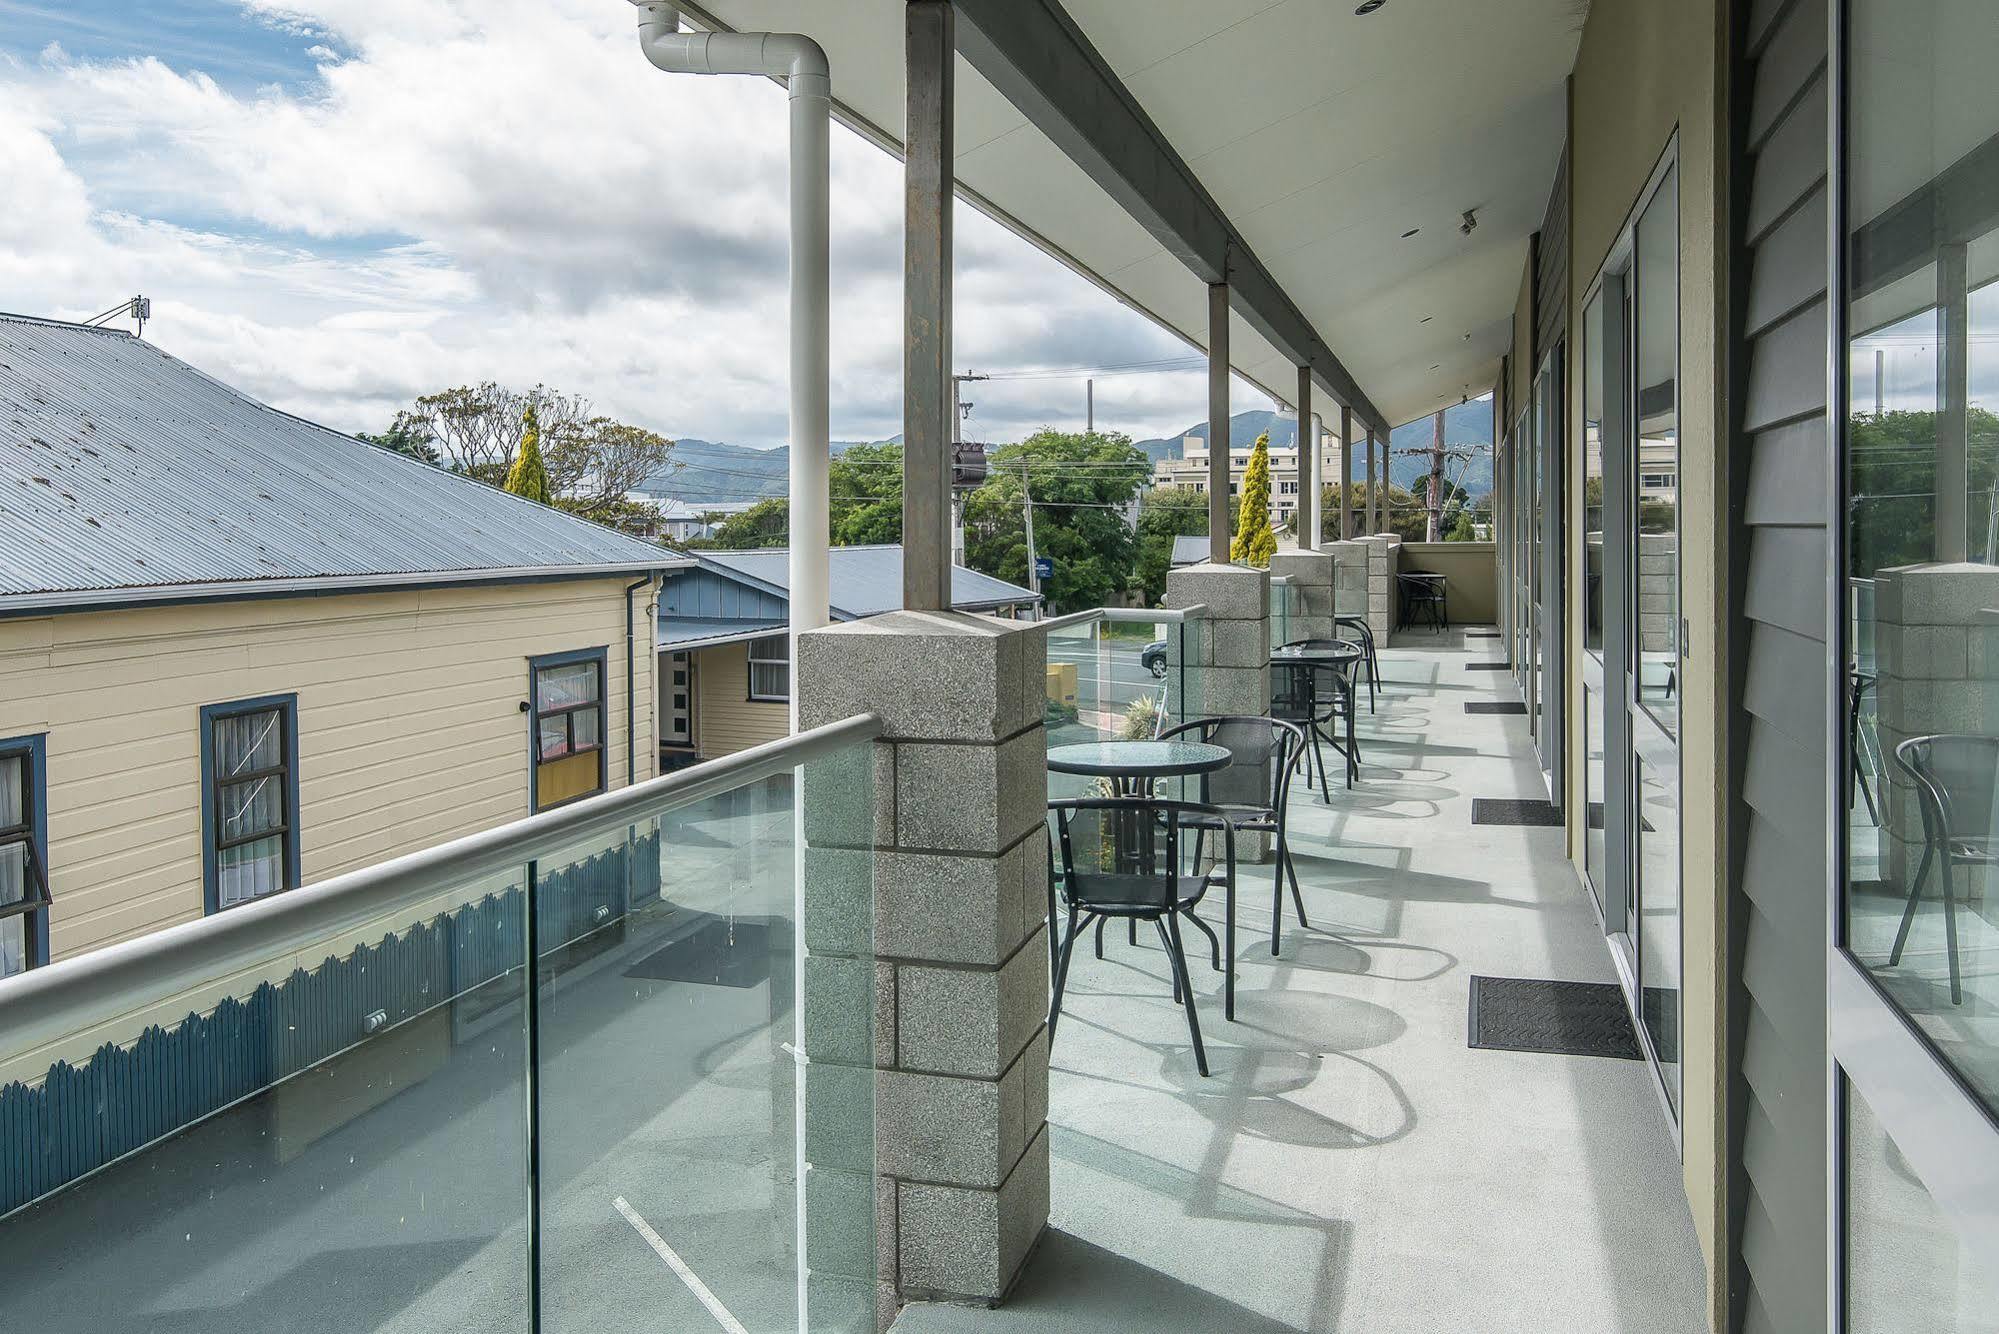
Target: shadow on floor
<point>1073,1286</point>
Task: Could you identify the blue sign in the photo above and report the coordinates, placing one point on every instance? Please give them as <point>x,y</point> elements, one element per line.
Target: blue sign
<point>1044,568</point>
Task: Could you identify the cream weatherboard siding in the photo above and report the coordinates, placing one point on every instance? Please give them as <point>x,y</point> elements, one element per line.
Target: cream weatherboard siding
<point>410,727</point>
<point>726,719</point>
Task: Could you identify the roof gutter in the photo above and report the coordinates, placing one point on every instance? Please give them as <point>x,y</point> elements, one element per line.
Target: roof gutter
<point>239,590</point>
<point>800,62</point>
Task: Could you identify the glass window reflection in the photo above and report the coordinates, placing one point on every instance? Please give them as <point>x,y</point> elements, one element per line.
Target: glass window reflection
<point>1921,457</point>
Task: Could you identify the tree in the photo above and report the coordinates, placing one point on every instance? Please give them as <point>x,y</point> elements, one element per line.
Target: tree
<point>479,426</point>
<point>864,485</point>
<point>528,477</point>
<point>592,463</point>
<point>764,524</point>
<point>1164,513</point>
<point>405,436</point>
<point>1254,542</point>
<point>1081,484</point>
<point>1405,515</point>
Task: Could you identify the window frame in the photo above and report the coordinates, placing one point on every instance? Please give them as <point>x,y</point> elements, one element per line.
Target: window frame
<point>600,658</point>
<point>751,662</point>
<point>286,706</point>
<point>34,832</point>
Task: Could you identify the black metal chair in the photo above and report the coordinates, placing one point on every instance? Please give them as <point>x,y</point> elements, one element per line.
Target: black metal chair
<point>1363,634</point>
<point>1314,696</point>
<point>1858,683</point>
<point>1957,783</point>
<point>1422,596</point>
<point>1253,793</point>
<point>1122,857</point>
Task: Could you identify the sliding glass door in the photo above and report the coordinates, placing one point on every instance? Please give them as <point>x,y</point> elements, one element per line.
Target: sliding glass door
<point>1631,661</point>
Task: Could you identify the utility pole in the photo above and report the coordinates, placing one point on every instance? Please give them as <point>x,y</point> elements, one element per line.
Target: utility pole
<point>959,411</point>
<point>1027,520</point>
<point>1090,406</point>
<point>1434,530</point>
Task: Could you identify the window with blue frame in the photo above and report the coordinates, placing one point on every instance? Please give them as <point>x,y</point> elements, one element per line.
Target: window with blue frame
<point>24,883</point>
<point>249,799</point>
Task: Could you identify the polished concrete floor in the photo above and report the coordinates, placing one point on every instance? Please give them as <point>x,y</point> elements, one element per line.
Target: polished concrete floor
<point>1351,1164</point>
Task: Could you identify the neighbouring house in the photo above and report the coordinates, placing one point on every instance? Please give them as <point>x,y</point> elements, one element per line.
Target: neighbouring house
<point>240,652</point>
<point>679,520</point>
<point>724,650</point>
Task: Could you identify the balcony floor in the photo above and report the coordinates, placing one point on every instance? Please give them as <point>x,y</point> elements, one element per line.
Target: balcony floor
<point>1351,1164</point>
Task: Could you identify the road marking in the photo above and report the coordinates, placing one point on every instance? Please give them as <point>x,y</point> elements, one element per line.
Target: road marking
<point>679,1267</point>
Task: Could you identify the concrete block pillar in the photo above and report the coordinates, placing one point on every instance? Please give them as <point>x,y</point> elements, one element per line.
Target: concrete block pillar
<point>1233,650</point>
<point>959,968</point>
<point>1383,560</point>
<point>1312,598</point>
<point>1936,670</point>
<point>1350,577</point>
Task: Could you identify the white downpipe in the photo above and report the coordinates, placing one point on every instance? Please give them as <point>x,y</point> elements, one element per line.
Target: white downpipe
<point>802,64</point>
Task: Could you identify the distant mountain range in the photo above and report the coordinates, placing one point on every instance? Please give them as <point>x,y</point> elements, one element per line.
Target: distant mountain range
<point>712,471</point>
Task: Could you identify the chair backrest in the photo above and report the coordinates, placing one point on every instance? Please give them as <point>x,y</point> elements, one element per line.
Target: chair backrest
<point>1957,781</point>
<point>1263,755</point>
<point>1358,624</point>
<point>1133,838</point>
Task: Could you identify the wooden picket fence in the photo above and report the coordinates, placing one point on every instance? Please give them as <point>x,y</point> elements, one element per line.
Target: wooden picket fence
<point>79,1118</point>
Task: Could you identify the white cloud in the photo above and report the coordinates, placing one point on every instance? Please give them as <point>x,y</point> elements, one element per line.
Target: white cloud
<point>507,191</point>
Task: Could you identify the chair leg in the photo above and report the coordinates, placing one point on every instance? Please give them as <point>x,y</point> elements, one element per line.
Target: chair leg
<point>1950,929</point>
<point>1291,869</point>
<point>1214,941</point>
<point>1100,936</point>
<point>1276,905</point>
<point>1062,974</point>
<point>1169,935</point>
<point>1319,763</point>
<point>1909,909</point>
<point>1866,792</point>
<point>1228,935</point>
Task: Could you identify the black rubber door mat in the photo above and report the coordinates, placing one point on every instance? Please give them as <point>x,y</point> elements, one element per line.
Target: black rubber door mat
<point>1481,634</point>
<point>1486,666</point>
<point>1494,706</point>
<point>1560,1018</point>
<point>718,953</point>
<point>1508,810</point>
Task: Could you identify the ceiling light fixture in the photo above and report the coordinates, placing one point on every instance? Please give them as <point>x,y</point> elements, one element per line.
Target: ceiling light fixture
<point>1369,6</point>
<point>1411,232</point>
<point>1471,221</point>
<point>1437,367</point>
<point>1426,319</point>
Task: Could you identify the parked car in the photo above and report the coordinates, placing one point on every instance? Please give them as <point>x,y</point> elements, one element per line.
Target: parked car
<point>1154,659</point>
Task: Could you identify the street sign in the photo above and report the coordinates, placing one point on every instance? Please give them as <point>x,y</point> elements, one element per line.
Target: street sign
<point>1044,568</point>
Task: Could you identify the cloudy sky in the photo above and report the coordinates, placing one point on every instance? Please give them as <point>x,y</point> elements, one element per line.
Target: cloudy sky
<point>337,205</point>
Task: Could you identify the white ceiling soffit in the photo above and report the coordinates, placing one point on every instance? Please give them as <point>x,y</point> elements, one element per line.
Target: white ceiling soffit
<point>1322,134</point>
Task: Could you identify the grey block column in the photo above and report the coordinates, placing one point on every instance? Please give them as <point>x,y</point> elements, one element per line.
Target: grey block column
<point>959,904</point>
<point>1350,560</point>
<point>1233,651</point>
<point>1311,576</point>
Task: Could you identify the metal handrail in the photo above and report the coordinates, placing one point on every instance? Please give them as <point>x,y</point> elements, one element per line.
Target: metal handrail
<point>40,1005</point>
<point>1128,615</point>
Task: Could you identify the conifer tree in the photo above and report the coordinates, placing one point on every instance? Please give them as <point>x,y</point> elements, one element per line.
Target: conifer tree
<point>528,478</point>
<point>1254,542</point>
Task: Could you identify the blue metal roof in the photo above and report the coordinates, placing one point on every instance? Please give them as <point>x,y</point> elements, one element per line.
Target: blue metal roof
<point>866,580</point>
<point>740,594</point>
<point>122,468</point>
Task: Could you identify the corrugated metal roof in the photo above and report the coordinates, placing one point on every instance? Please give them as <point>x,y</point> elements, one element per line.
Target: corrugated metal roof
<point>678,633</point>
<point>863,581</point>
<point>124,468</point>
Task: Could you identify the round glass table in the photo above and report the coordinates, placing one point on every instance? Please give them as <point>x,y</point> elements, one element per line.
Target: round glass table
<point>1135,765</point>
